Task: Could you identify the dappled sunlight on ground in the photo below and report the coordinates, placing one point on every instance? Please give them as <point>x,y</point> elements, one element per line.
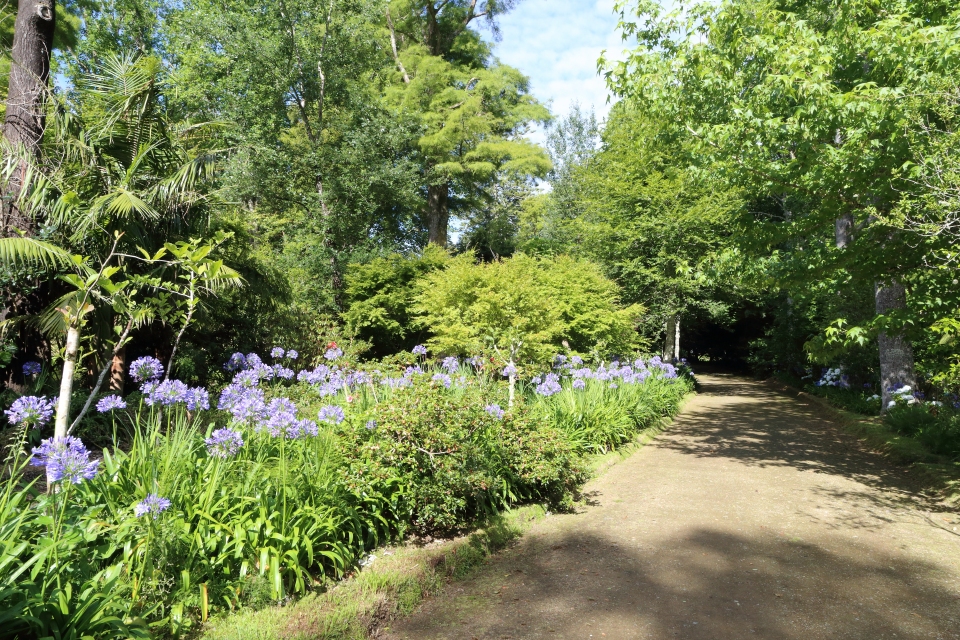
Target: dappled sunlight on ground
<point>754,516</point>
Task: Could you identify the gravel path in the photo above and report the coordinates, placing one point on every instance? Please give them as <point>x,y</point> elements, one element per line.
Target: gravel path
<point>753,516</point>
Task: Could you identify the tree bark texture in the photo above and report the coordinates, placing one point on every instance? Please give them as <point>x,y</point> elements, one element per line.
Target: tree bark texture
<point>438,213</point>
<point>118,366</point>
<point>843,230</point>
<point>896,353</point>
<point>24,124</point>
<point>671,344</point>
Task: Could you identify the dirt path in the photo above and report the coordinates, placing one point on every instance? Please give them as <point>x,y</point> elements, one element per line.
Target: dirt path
<point>752,517</point>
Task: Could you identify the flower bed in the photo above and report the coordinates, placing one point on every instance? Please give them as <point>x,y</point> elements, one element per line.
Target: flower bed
<point>287,478</point>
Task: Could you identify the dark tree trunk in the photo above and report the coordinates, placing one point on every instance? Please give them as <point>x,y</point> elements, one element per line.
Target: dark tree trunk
<point>32,44</point>
<point>843,230</point>
<point>437,213</point>
<point>896,353</point>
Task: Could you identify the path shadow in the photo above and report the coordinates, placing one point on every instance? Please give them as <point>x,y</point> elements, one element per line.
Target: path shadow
<point>760,426</point>
<point>711,584</point>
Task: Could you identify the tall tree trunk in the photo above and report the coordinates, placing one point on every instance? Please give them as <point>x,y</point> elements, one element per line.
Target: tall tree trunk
<point>896,353</point>
<point>671,344</point>
<point>23,127</point>
<point>437,213</point>
<point>843,230</point>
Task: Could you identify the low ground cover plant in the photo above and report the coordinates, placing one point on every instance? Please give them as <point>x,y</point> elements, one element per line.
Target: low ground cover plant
<point>279,482</point>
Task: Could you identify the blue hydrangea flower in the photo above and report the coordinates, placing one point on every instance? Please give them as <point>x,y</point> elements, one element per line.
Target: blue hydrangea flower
<point>152,504</point>
<point>111,402</point>
<point>224,443</point>
<point>419,350</point>
<point>30,411</point>
<point>508,371</point>
<point>494,410</point>
<point>146,369</point>
<point>32,368</point>
<point>331,413</point>
<point>65,459</point>
<point>450,364</point>
<point>443,379</point>
<point>277,352</point>
<point>333,354</point>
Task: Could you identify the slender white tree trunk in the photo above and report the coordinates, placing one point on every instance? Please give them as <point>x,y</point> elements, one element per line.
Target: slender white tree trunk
<point>671,344</point>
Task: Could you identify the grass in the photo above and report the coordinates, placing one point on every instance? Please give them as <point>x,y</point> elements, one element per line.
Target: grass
<point>397,580</point>
<point>937,473</point>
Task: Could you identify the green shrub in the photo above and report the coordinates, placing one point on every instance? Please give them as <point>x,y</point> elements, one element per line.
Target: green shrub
<point>942,436</point>
<point>536,303</point>
<point>455,462</point>
<point>909,419</point>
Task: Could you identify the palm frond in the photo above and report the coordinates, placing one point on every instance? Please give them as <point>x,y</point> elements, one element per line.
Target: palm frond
<point>24,251</point>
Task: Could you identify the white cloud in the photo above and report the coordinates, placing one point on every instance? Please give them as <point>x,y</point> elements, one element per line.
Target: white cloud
<point>557,43</point>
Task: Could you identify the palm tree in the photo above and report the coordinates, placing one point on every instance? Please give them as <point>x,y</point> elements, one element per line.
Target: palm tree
<point>114,175</point>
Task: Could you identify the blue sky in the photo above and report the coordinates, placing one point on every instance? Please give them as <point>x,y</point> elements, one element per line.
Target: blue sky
<point>556,43</point>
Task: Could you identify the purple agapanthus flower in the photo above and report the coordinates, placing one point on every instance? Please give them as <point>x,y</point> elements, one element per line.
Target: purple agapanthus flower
<point>111,402</point>
<point>146,369</point>
<point>277,352</point>
<point>152,504</point>
<point>245,403</point>
<point>224,443</point>
<point>476,361</point>
<point>419,350</point>
<point>579,384</point>
<point>281,414</point>
<point>450,364</point>
<point>30,411</point>
<point>508,371</point>
<point>283,373</point>
<point>302,429</point>
<point>333,354</point>
<point>371,425</point>
<point>576,361</point>
<point>167,393</point>
<point>494,410</point>
<point>236,362</point>
<point>331,413</point>
<point>550,385</point>
<point>443,379</point>
<point>197,398</point>
<point>292,354</point>
<point>32,368</point>
<point>65,459</point>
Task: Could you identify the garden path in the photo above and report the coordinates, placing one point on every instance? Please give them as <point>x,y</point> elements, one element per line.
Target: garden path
<point>753,516</point>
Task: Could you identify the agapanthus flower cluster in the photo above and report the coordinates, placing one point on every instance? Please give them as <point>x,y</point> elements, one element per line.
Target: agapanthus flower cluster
<point>146,369</point>
<point>509,370</point>
<point>65,459</point>
<point>494,410</point>
<point>151,505</point>
<point>197,398</point>
<point>32,368</point>
<point>111,402</point>
<point>331,413</point>
<point>419,350</point>
<point>371,425</point>
<point>30,411</point>
<point>476,362</point>
<point>579,384</point>
<point>167,393</point>
<point>333,353</point>
<point>244,403</point>
<point>292,354</point>
<point>224,443</point>
<point>283,373</point>
<point>280,415</point>
<point>277,352</point>
<point>443,379</point>
<point>549,386</point>
<point>450,364</point>
<point>236,362</point>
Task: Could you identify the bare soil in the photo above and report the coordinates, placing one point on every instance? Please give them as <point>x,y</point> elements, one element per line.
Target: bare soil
<point>753,516</point>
